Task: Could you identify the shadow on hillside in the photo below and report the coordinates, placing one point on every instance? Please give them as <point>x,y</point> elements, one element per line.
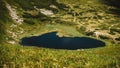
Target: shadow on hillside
<point>113,3</point>
<point>28,5</point>
<point>51,40</point>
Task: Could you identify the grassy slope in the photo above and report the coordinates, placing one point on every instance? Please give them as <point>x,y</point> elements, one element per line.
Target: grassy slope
<point>26,57</point>
<point>16,56</point>
<point>3,14</point>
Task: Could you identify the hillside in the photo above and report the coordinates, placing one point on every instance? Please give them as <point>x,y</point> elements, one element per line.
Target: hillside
<point>96,19</point>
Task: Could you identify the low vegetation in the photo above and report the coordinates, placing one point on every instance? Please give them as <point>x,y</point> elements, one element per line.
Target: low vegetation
<point>68,17</point>
<point>16,56</point>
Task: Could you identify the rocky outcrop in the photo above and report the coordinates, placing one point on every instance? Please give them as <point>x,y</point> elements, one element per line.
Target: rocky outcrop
<point>104,34</point>
<point>44,11</point>
<point>14,14</point>
<point>12,31</point>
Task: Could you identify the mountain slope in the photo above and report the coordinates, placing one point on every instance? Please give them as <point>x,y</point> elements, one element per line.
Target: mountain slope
<point>97,19</point>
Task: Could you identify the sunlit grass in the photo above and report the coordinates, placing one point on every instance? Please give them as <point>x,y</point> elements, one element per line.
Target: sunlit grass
<point>20,56</point>
<point>86,12</point>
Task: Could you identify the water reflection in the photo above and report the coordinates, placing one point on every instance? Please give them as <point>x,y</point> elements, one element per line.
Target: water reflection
<point>51,40</point>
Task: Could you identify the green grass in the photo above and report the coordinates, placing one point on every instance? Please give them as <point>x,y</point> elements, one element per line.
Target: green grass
<point>4,18</point>
<point>15,56</point>
<point>18,56</point>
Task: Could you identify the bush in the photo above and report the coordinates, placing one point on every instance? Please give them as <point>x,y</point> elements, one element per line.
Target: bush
<point>30,22</point>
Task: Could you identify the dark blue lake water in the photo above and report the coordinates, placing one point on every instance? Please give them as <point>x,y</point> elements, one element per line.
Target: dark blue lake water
<point>51,40</point>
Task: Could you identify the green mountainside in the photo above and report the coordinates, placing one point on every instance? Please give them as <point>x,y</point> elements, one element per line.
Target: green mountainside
<point>98,19</point>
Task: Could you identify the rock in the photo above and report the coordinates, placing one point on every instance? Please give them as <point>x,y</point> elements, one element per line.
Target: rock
<point>46,12</point>
<point>53,6</point>
<point>11,42</point>
<point>13,13</point>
